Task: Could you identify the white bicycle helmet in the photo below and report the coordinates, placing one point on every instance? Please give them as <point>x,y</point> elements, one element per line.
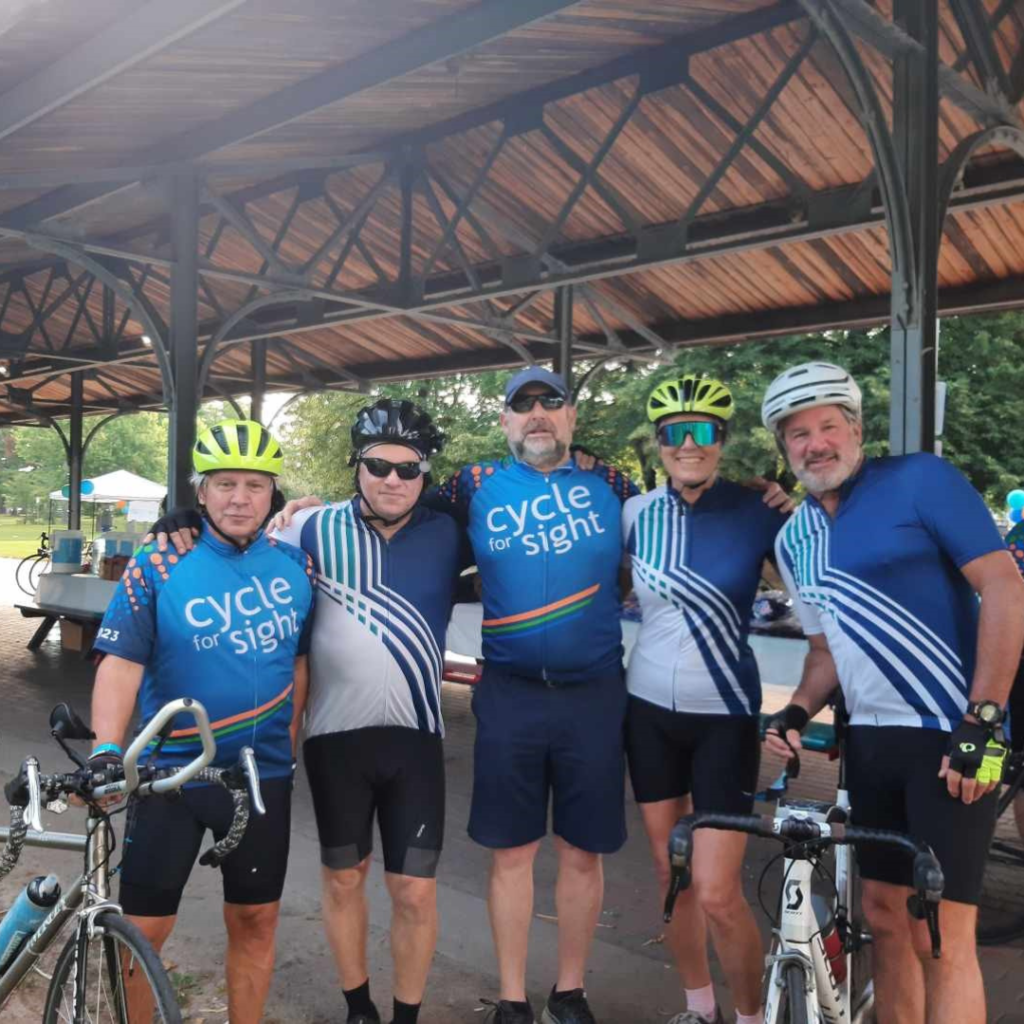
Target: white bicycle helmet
<point>806,386</point>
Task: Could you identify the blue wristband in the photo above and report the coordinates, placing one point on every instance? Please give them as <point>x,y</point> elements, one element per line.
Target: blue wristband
<point>107,748</point>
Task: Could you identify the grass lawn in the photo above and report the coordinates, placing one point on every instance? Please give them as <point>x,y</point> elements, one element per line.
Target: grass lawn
<point>18,539</point>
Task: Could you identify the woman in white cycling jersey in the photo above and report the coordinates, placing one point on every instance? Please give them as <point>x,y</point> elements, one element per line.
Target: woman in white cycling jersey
<point>696,546</point>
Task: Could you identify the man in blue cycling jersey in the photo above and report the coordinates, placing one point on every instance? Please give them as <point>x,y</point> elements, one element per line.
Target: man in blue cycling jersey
<point>885,561</point>
<point>550,708</point>
<point>228,626</point>
<point>386,575</point>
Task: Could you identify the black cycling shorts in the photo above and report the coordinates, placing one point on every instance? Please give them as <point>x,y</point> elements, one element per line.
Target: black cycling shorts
<point>892,775</point>
<point>394,772</point>
<point>675,753</point>
<point>164,834</point>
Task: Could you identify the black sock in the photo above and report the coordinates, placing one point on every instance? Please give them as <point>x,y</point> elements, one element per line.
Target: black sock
<point>359,1000</point>
<point>406,1013</point>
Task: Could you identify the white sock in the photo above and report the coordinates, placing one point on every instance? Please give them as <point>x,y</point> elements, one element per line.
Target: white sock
<point>702,1001</point>
<point>750,1018</point>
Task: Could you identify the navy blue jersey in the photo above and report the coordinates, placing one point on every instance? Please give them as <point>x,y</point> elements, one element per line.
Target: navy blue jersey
<point>224,627</point>
<point>548,547</point>
<point>882,581</point>
<point>695,572</point>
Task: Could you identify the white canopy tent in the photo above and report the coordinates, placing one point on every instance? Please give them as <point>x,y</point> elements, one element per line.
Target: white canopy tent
<point>143,496</point>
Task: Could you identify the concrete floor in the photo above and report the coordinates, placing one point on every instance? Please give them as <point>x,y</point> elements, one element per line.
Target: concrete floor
<point>629,979</point>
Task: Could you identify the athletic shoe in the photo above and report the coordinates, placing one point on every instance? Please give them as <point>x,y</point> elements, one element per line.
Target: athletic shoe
<point>690,1017</point>
<point>569,1009</point>
<point>364,1018</point>
<point>504,1012</point>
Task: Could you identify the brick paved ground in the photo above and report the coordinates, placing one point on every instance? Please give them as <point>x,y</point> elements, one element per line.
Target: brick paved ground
<point>630,979</point>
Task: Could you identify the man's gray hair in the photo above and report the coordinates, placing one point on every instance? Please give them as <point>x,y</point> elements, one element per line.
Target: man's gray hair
<point>197,479</point>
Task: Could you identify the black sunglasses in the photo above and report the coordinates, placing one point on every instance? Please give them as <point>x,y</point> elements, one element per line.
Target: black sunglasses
<point>406,470</point>
<point>525,403</point>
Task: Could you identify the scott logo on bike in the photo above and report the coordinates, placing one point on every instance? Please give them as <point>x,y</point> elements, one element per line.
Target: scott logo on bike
<point>794,895</point>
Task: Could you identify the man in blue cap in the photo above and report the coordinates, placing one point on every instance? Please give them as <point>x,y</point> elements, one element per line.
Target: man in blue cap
<point>551,704</point>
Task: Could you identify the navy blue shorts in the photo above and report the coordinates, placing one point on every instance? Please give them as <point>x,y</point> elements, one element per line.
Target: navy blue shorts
<point>533,740</point>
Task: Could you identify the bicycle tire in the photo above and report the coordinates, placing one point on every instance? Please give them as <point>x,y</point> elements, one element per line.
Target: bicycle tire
<point>27,573</point>
<point>1001,903</point>
<point>794,1010</point>
<point>115,945</point>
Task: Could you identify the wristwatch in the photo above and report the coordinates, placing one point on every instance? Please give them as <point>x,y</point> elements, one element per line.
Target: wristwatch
<point>988,712</point>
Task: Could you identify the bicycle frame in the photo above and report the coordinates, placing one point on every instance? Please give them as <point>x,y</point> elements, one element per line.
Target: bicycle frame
<point>798,938</point>
<point>95,896</point>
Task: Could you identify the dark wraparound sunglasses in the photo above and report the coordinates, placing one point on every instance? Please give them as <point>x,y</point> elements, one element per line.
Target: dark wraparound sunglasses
<point>525,403</point>
<point>703,432</point>
<point>406,470</point>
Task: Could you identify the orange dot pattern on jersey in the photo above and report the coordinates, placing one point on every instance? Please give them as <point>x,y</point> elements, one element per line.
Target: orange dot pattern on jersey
<point>132,579</point>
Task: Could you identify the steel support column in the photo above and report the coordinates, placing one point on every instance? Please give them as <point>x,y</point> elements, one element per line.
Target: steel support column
<point>915,294</point>
<point>183,193</point>
<point>259,380</point>
<point>76,452</point>
<point>563,328</point>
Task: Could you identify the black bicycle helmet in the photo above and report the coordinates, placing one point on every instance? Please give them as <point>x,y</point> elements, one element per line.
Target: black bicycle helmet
<point>394,421</point>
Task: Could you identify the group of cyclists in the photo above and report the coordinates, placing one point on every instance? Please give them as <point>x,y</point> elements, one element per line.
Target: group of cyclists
<point>885,577</point>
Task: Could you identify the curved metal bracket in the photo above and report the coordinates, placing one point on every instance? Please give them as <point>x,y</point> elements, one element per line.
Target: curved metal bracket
<point>952,170</point>
<point>240,315</point>
<point>891,184</point>
<point>285,405</point>
<point>587,377</point>
<point>102,423</point>
<point>127,296</point>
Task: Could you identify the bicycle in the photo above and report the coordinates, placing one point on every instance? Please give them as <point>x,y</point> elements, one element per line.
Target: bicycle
<point>817,967</point>
<point>1001,904</point>
<point>107,954</point>
<point>27,573</point>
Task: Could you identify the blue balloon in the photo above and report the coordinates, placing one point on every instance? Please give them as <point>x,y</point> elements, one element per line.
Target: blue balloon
<point>66,491</point>
<point>1016,514</point>
<point>1015,499</point>
<point>88,487</point>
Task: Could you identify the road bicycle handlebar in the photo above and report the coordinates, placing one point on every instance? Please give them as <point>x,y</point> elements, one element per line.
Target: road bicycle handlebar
<point>797,830</point>
<point>27,792</point>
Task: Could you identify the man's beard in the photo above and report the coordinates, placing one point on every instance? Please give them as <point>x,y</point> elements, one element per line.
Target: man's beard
<point>830,477</point>
<point>552,452</point>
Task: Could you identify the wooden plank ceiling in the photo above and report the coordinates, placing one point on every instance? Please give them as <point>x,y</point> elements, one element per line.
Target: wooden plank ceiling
<point>675,136</point>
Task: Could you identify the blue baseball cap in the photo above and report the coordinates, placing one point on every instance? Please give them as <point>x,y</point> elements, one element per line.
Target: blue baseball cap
<point>536,375</point>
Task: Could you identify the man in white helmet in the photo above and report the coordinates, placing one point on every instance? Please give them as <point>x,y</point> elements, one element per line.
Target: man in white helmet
<point>885,561</point>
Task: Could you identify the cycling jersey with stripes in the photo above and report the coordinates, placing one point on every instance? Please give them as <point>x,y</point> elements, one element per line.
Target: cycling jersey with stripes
<point>377,652</point>
<point>882,581</point>
<point>223,626</point>
<point>548,547</point>
<point>695,572</point>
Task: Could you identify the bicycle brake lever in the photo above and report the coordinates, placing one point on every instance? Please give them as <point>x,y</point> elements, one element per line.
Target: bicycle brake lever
<point>680,849</point>
<point>252,780</point>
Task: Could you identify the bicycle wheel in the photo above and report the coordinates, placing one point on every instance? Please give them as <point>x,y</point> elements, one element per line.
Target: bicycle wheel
<point>1001,904</point>
<point>27,573</point>
<point>102,973</point>
<point>794,1005</point>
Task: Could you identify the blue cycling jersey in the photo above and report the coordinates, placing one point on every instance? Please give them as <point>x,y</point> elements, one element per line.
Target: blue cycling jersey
<point>224,627</point>
<point>882,581</point>
<point>695,571</point>
<point>377,652</point>
<point>548,547</point>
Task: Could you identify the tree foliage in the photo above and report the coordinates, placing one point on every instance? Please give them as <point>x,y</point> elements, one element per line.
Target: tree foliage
<point>981,359</point>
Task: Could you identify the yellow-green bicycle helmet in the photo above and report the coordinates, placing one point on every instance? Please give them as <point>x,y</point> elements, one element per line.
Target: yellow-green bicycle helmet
<point>690,393</point>
<point>237,444</point>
